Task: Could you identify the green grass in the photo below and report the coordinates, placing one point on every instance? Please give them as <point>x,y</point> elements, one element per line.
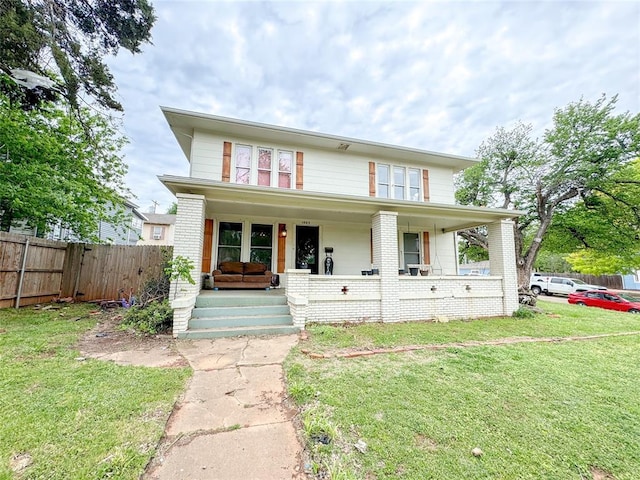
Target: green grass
<point>564,320</point>
<point>75,419</point>
<point>541,410</point>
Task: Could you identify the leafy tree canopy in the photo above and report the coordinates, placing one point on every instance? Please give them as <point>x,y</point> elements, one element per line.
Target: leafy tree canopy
<point>578,160</point>
<point>173,208</point>
<point>70,38</point>
<point>51,172</point>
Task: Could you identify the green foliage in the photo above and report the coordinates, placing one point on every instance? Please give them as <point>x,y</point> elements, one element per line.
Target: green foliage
<point>76,35</point>
<point>524,312</point>
<point>529,406</point>
<point>552,262</point>
<point>76,419</point>
<point>579,178</point>
<point>180,268</point>
<point>59,168</point>
<point>152,318</point>
<point>173,209</point>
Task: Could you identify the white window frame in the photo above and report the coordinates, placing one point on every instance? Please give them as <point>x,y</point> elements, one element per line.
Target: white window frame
<point>406,185</point>
<point>155,235</point>
<point>253,176</point>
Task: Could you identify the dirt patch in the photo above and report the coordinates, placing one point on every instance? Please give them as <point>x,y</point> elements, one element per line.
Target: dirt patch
<point>599,474</point>
<point>107,341</point>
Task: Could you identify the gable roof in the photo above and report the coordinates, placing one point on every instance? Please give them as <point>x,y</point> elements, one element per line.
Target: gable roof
<point>184,122</point>
<point>161,218</point>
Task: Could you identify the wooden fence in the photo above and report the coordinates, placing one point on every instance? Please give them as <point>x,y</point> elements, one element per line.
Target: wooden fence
<point>33,270</point>
<point>610,281</point>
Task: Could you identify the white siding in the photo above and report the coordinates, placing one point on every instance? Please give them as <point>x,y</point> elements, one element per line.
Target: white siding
<point>206,156</point>
<point>351,248</point>
<point>325,171</point>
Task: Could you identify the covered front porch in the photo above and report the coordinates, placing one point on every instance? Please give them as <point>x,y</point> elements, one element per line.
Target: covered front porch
<point>365,234</point>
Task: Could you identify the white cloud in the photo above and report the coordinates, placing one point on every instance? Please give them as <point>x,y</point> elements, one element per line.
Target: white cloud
<point>433,75</point>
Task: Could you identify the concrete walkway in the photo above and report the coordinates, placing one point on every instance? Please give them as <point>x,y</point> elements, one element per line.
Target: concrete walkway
<point>232,422</point>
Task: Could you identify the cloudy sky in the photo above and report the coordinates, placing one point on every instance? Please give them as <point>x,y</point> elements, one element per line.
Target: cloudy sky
<point>439,76</point>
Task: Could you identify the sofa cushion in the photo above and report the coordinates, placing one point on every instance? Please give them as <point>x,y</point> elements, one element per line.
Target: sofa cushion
<point>257,279</point>
<point>232,268</point>
<point>254,268</point>
<point>225,278</point>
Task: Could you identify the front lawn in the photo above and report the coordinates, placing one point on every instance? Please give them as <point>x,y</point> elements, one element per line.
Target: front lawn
<point>566,410</point>
<point>63,417</point>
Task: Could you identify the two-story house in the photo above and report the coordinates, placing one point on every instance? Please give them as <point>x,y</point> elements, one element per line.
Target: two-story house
<point>158,229</point>
<point>286,196</point>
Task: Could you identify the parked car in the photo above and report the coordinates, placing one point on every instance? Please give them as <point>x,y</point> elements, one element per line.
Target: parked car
<point>560,285</point>
<point>611,301</point>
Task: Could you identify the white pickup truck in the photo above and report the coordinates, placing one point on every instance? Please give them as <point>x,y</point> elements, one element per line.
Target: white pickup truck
<point>560,285</point>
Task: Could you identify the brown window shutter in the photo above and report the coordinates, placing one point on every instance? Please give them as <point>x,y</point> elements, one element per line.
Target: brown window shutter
<point>299,169</point>
<point>425,184</point>
<point>226,162</point>
<point>207,244</point>
<point>282,247</point>
<point>372,179</point>
<point>426,251</point>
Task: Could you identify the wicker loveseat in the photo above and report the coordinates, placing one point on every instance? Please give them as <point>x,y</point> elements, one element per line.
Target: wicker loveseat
<point>241,275</point>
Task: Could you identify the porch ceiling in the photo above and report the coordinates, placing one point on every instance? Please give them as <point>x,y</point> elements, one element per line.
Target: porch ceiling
<point>246,200</point>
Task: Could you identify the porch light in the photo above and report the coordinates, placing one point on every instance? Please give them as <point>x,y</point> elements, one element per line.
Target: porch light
<point>433,288</point>
<point>467,288</point>
<point>283,232</point>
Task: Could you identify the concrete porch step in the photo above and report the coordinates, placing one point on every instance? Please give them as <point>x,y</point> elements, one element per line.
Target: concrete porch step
<point>240,321</point>
<point>237,332</point>
<point>239,311</point>
<point>240,299</point>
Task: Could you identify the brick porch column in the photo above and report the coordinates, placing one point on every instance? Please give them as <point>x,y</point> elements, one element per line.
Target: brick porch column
<point>189,237</point>
<point>297,290</point>
<point>385,259</point>
<point>502,262</point>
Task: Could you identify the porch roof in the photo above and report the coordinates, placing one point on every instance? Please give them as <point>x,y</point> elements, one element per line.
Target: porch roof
<point>248,200</point>
<point>184,122</point>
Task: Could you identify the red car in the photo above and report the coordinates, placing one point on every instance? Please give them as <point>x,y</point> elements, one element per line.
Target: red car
<point>608,300</point>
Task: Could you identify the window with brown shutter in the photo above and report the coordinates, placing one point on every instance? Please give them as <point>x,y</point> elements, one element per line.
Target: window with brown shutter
<point>372,179</point>
<point>299,168</point>
<point>226,162</point>
<point>207,245</point>
<point>425,185</point>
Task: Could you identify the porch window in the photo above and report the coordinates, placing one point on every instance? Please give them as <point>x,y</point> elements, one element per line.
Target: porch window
<point>285,161</point>
<point>411,244</point>
<point>261,244</point>
<point>264,166</point>
<point>229,242</point>
<point>243,164</point>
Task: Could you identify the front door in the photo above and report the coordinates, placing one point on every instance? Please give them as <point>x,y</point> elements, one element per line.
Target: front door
<point>307,244</point>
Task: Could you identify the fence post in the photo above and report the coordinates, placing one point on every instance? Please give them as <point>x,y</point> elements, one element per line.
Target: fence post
<point>24,265</point>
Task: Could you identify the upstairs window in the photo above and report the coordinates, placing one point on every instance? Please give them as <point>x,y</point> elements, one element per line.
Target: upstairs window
<point>264,166</point>
<point>243,164</point>
<point>158,233</point>
<point>285,162</point>
<point>399,183</point>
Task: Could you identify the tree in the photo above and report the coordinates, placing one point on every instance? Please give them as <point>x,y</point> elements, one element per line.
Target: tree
<point>74,36</point>
<point>577,160</point>
<point>173,208</point>
<point>601,234</point>
<point>51,172</point>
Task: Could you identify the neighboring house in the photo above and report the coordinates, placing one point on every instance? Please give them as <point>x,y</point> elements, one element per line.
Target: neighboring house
<point>106,232</point>
<point>475,268</point>
<point>285,195</point>
<point>158,229</point>
<point>631,281</point>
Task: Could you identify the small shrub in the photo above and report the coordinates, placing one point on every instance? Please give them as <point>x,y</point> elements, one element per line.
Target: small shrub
<point>524,312</point>
<point>153,318</point>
